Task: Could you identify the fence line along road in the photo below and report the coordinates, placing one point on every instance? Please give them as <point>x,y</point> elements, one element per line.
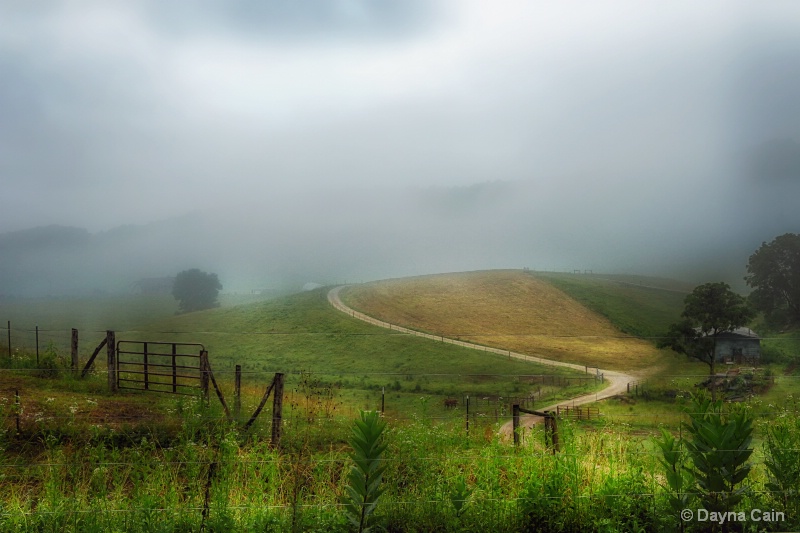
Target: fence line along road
<point>617,381</point>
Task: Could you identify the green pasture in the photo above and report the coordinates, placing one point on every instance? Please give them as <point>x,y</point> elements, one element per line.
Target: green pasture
<point>640,306</point>
<point>299,335</point>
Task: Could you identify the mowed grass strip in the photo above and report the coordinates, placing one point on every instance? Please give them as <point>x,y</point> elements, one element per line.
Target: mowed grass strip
<point>505,309</point>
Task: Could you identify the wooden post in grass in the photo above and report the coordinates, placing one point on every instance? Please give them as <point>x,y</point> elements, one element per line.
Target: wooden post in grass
<point>73,350</point>
<point>204,374</point>
<point>174,367</point>
<point>146,366</point>
<point>277,410</point>
<point>9,339</point>
<point>111,352</point>
<point>91,359</point>
<point>551,431</point>
<point>261,404</point>
<point>37,345</point>
<point>383,398</point>
<point>515,423</point>
<point>237,392</point>
<point>221,396</point>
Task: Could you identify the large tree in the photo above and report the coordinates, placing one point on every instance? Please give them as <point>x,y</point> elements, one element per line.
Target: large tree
<point>196,290</point>
<point>774,274</point>
<point>709,310</point>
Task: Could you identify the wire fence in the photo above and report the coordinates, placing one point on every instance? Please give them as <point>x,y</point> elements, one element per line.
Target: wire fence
<point>54,465</point>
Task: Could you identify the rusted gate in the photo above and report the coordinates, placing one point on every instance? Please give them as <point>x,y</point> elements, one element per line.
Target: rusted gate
<point>171,367</point>
<point>178,368</point>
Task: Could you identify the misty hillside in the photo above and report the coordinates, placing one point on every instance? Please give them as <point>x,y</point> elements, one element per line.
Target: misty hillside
<point>285,241</point>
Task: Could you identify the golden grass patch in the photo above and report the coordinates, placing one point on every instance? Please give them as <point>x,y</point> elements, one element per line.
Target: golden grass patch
<point>505,309</point>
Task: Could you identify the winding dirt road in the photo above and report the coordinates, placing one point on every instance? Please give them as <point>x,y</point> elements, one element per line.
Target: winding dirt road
<point>617,381</point>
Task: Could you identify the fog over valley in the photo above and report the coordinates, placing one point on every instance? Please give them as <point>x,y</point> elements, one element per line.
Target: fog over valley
<point>348,141</point>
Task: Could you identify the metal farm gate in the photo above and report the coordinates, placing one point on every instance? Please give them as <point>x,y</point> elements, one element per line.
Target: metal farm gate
<point>171,367</point>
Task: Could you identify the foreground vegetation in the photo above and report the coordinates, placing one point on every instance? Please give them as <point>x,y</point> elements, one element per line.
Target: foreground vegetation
<point>183,468</point>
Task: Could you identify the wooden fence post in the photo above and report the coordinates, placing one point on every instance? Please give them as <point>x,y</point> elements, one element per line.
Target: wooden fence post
<point>237,392</point>
<point>204,374</point>
<point>146,366</point>
<point>111,351</point>
<point>551,431</point>
<point>554,428</point>
<point>261,404</point>
<point>94,354</point>
<point>277,410</point>
<point>547,423</point>
<point>221,396</point>
<point>174,367</point>
<point>37,345</point>
<point>73,350</point>
<point>515,423</point>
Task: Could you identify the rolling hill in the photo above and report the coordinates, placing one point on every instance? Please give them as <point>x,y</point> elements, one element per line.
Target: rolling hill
<point>303,333</point>
<point>508,309</point>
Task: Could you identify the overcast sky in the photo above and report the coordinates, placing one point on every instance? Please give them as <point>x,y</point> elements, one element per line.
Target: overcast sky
<point>127,112</point>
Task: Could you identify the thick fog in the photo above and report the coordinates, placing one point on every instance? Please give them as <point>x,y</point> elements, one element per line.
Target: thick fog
<point>278,143</point>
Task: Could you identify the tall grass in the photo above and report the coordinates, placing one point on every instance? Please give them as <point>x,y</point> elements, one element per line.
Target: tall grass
<point>203,472</point>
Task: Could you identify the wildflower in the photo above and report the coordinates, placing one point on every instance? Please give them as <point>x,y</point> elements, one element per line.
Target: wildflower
<point>48,400</point>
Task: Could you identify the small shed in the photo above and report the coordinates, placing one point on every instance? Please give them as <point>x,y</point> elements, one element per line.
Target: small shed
<point>741,345</point>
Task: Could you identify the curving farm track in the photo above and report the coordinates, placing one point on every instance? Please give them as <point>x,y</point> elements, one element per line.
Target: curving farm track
<point>617,381</point>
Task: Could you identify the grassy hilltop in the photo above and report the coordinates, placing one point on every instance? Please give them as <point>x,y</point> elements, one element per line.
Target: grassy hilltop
<point>508,309</point>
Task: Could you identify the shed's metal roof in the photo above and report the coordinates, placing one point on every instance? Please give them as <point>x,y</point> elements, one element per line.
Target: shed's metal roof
<point>745,332</point>
<point>742,332</point>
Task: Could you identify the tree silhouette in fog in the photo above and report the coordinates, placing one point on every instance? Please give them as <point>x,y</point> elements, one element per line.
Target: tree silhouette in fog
<point>196,290</point>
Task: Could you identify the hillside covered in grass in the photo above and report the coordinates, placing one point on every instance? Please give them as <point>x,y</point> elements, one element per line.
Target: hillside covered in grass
<point>304,333</point>
<point>640,306</point>
<point>507,309</point>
